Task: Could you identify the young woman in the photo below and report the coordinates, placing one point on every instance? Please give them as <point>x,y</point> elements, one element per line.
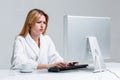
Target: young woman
<point>33,46</point>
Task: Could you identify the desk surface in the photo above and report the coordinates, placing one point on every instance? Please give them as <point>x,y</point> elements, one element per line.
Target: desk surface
<point>82,74</point>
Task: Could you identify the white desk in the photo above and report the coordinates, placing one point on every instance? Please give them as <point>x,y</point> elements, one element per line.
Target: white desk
<point>82,74</point>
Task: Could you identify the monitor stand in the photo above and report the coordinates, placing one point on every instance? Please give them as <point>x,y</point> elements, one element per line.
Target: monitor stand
<point>94,49</point>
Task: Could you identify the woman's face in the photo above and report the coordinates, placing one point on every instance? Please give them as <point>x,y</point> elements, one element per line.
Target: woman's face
<point>39,27</point>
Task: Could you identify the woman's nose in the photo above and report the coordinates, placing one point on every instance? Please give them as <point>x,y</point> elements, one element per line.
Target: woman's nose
<point>41,26</point>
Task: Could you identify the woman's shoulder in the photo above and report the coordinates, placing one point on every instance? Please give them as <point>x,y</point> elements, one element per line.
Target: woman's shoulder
<point>47,37</point>
<point>19,38</point>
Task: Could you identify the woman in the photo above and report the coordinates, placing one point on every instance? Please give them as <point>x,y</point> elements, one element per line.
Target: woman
<point>33,46</point>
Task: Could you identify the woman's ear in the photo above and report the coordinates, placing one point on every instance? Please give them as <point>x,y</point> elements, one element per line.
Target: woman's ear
<point>30,24</point>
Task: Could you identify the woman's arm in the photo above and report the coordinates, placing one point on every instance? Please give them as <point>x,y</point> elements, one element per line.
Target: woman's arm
<point>53,55</point>
<point>46,66</point>
<point>19,55</point>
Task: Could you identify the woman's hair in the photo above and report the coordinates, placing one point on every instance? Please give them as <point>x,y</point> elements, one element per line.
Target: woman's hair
<point>32,17</point>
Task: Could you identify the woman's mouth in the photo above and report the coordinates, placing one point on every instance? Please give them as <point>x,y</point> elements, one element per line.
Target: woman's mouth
<point>41,30</point>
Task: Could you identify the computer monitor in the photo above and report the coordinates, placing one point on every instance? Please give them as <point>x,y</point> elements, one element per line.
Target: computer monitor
<point>82,33</point>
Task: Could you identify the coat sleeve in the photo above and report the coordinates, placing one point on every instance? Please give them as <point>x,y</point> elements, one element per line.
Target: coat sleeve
<point>53,55</point>
<point>19,56</point>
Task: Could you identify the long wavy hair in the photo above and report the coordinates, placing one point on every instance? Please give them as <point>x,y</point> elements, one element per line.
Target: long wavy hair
<point>32,17</point>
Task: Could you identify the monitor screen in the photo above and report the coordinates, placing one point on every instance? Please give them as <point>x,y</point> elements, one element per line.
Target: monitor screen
<point>76,31</point>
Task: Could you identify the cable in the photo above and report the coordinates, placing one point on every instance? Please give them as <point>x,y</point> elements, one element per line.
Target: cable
<point>113,73</point>
<point>100,69</point>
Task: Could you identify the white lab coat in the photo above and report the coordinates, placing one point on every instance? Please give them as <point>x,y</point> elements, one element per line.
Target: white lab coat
<point>25,51</point>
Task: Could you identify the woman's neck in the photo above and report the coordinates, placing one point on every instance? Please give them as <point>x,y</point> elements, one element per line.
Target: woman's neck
<point>36,38</point>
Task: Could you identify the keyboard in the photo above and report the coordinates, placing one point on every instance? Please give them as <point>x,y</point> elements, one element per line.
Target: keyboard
<point>56,69</point>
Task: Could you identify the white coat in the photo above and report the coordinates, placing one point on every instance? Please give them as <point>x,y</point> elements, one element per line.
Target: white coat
<point>25,51</point>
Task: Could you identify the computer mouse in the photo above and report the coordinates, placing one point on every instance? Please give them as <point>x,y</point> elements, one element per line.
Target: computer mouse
<point>53,69</point>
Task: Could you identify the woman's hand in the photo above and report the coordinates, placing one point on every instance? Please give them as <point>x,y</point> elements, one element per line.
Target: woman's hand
<point>72,63</point>
<point>58,64</point>
<point>62,64</point>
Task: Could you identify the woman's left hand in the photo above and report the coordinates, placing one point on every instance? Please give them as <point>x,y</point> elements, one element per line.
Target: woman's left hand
<point>72,63</point>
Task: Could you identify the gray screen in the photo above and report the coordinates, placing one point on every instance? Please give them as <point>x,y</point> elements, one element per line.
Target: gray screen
<point>77,29</point>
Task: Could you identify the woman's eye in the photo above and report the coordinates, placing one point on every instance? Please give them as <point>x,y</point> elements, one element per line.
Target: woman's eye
<point>44,22</point>
<point>39,22</point>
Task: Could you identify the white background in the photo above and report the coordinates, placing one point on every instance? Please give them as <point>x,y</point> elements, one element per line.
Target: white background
<point>13,14</point>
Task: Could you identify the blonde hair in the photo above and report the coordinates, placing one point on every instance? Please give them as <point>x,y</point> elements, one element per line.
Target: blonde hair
<point>32,18</point>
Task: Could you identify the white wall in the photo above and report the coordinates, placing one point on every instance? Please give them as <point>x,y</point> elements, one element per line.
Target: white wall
<point>13,14</point>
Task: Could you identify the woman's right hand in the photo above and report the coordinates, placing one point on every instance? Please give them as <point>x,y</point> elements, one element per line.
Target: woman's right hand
<point>58,64</point>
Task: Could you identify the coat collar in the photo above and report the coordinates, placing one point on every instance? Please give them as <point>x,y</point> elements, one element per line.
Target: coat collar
<point>32,43</point>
